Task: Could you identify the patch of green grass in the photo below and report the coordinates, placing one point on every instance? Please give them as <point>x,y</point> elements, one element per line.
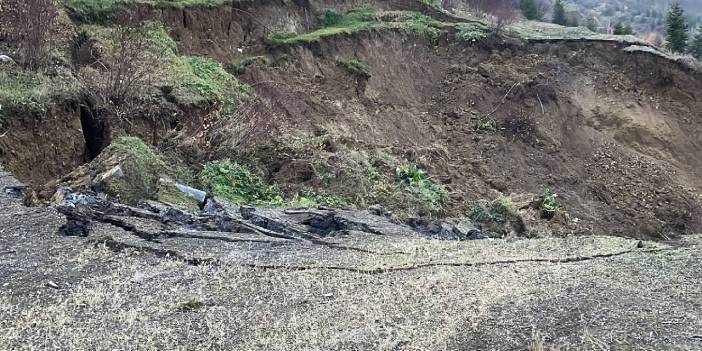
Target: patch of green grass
<point>199,79</point>
<point>472,32</point>
<point>550,206</point>
<point>195,81</point>
<point>433,4</point>
<point>358,21</point>
<point>331,18</point>
<point>30,93</point>
<point>354,67</point>
<point>310,198</point>
<point>101,10</point>
<point>425,25</point>
<point>156,35</point>
<point>142,167</point>
<point>417,182</point>
<point>351,22</point>
<point>539,30</point>
<point>237,184</point>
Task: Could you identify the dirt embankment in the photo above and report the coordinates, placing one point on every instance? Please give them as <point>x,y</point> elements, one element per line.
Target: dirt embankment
<point>617,135</point>
<point>239,29</point>
<point>40,149</point>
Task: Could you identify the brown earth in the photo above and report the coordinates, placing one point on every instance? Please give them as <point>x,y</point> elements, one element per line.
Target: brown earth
<point>617,135</point>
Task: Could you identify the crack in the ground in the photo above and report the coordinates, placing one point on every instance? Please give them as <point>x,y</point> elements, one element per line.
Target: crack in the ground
<point>565,260</point>
<point>119,246</point>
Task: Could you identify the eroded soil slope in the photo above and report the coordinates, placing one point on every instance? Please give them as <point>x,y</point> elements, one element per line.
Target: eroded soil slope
<point>617,134</point>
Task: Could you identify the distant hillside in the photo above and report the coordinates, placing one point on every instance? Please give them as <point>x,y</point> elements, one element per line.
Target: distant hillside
<point>644,15</point>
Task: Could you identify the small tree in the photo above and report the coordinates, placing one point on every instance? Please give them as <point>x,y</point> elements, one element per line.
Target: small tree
<point>559,14</point>
<point>123,72</point>
<point>623,29</point>
<point>29,26</point>
<point>503,12</point>
<point>677,28</point>
<point>529,9</point>
<point>696,45</point>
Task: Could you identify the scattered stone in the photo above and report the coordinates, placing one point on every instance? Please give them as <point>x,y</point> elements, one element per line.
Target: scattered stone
<point>450,229</point>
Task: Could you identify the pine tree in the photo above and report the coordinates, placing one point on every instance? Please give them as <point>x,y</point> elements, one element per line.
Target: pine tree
<point>696,44</point>
<point>623,29</point>
<point>559,15</point>
<point>677,28</point>
<point>529,9</point>
<point>618,29</point>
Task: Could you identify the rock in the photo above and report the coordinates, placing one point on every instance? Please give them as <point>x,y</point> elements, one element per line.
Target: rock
<point>377,210</point>
<point>180,195</point>
<point>16,190</point>
<point>114,172</point>
<point>4,59</point>
<point>450,229</point>
<point>74,228</point>
<point>467,230</point>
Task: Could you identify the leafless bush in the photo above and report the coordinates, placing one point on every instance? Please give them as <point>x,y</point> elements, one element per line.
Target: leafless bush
<point>252,121</point>
<point>520,126</point>
<point>28,23</point>
<point>122,72</point>
<point>502,12</point>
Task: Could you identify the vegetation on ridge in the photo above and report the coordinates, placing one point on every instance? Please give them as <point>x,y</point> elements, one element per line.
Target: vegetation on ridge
<point>98,10</point>
<point>359,20</point>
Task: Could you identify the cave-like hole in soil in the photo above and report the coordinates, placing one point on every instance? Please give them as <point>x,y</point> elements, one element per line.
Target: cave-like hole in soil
<point>94,131</point>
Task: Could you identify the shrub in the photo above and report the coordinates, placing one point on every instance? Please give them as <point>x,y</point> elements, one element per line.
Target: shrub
<point>237,184</point>
<point>471,32</point>
<point>354,67</point>
<point>331,18</point>
<point>417,182</point>
<point>486,124</point>
<point>240,68</point>
<point>549,205</point>
<point>485,214</point>
<point>31,23</point>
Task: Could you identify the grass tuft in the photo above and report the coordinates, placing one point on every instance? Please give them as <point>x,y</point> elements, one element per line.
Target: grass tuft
<point>354,67</point>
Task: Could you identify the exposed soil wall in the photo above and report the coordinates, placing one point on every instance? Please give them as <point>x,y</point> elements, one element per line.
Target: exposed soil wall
<point>616,134</point>
<point>40,149</point>
<point>239,29</point>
